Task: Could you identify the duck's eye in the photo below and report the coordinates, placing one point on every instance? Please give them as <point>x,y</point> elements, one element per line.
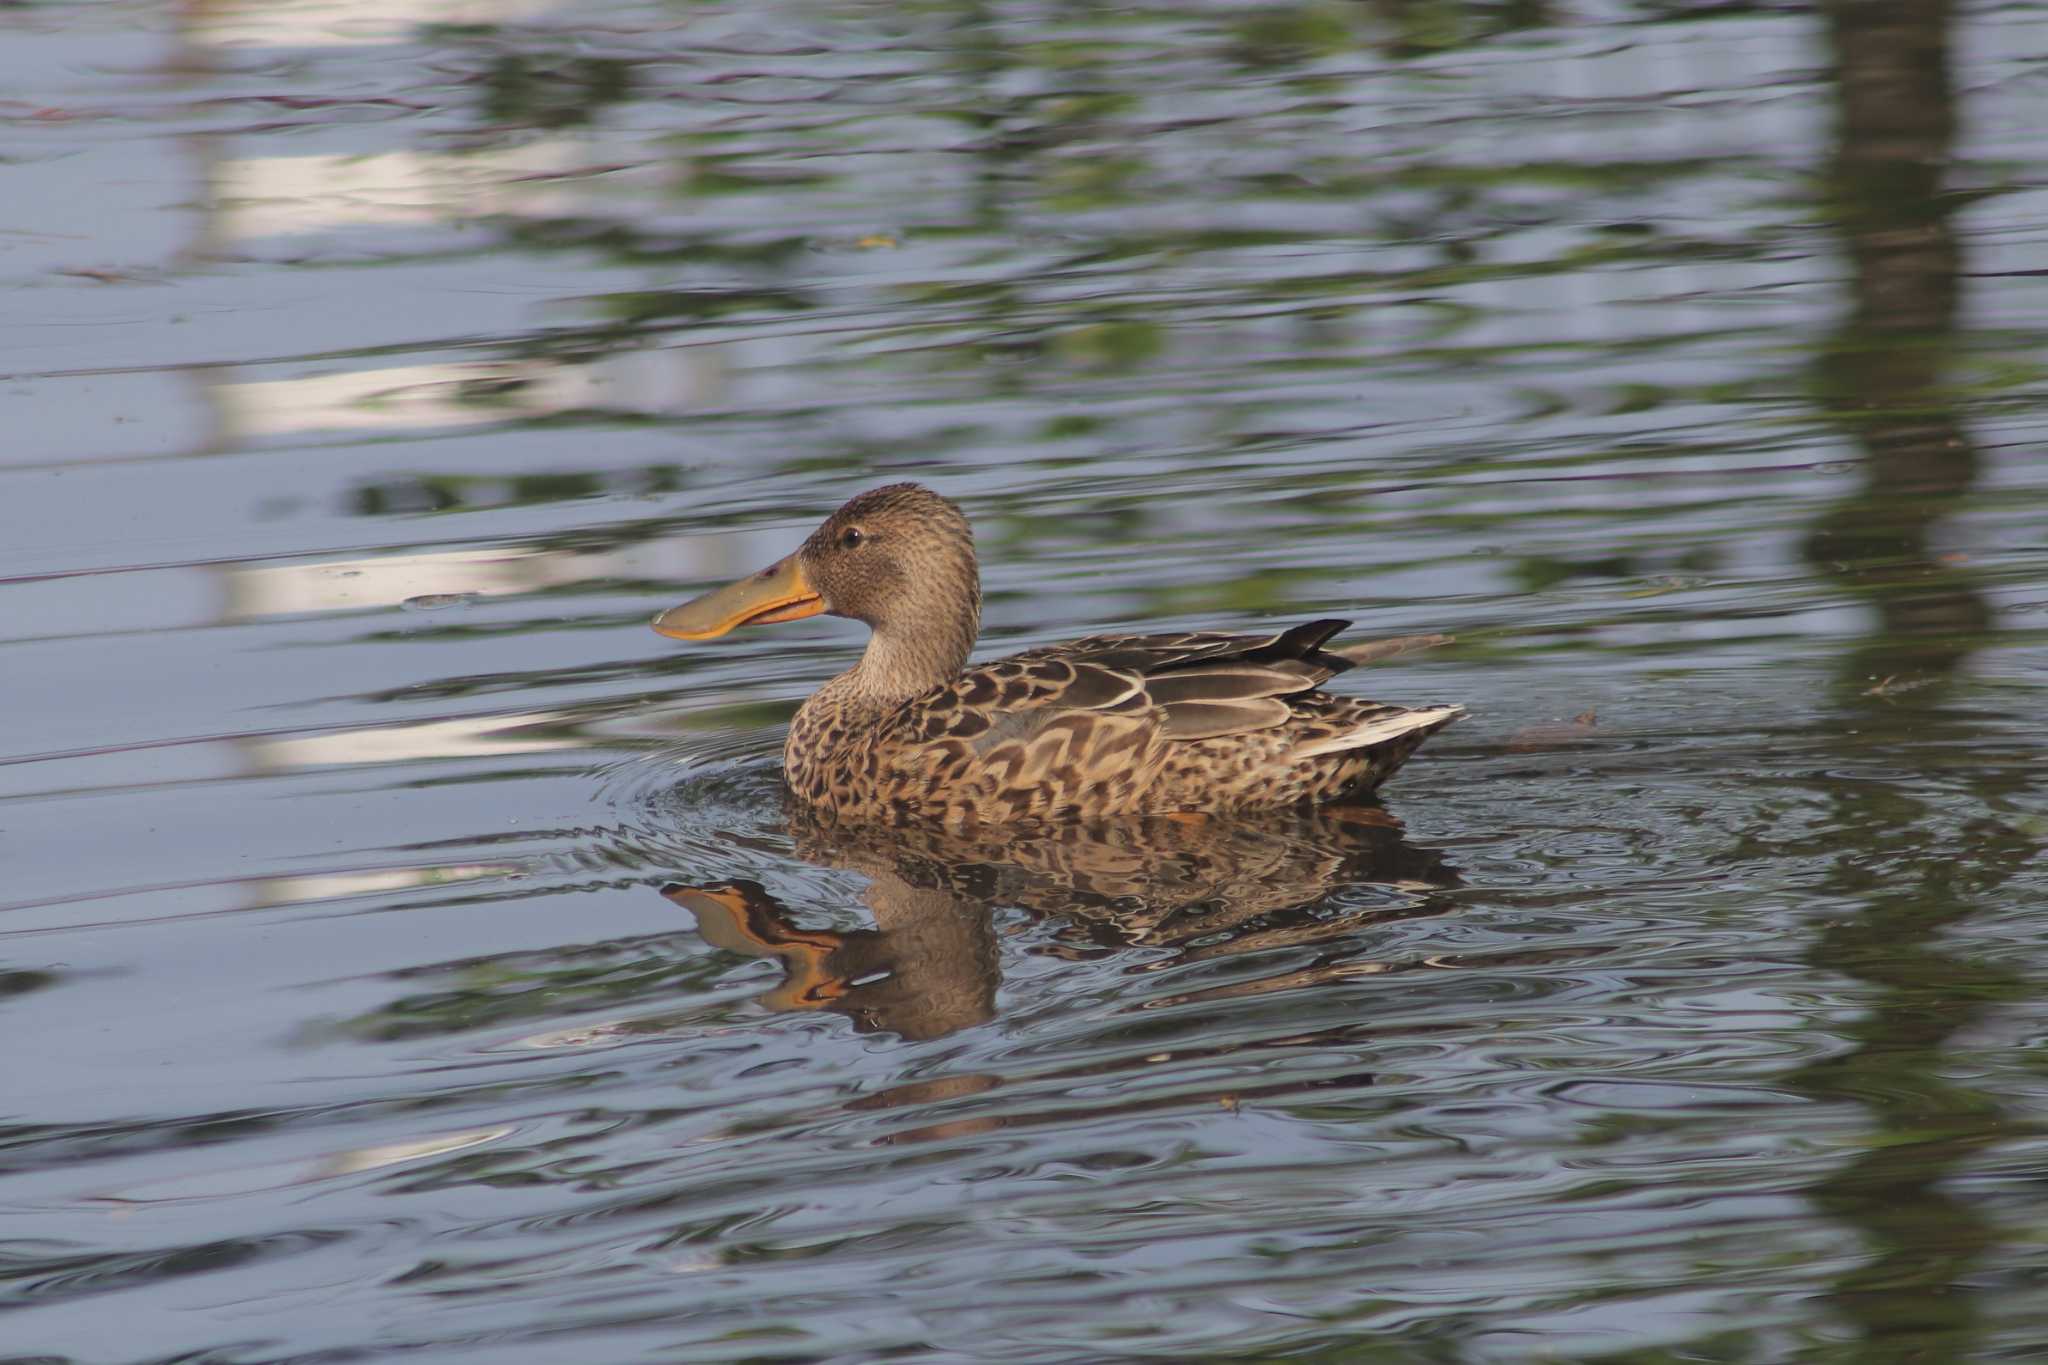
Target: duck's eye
<point>851,537</point>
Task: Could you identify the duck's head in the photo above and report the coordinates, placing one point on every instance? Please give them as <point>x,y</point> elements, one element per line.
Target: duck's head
<point>900,558</point>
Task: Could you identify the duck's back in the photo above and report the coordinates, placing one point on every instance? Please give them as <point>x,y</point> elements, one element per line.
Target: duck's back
<point>1115,725</point>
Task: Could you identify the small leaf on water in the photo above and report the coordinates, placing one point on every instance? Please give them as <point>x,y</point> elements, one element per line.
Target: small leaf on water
<point>437,601</point>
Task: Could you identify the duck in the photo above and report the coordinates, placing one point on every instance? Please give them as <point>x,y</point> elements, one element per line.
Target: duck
<point>1187,722</point>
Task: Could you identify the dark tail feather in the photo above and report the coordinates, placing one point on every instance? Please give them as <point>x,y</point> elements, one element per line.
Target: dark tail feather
<point>1302,642</point>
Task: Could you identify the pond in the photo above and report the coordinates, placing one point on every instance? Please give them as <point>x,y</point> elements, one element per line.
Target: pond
<point>404,952</point>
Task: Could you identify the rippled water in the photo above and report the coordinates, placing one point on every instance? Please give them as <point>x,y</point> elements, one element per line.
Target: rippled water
<point>405,952</point>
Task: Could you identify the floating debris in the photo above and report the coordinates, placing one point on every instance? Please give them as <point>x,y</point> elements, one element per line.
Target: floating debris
<point>1534,738</point>
<point>437,601</point>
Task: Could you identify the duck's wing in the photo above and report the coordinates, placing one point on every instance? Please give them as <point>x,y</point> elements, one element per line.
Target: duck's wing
<point>1149,654</point>
<point>1192,685</point>
<point>1161,653</point>
<point>1117,723</point>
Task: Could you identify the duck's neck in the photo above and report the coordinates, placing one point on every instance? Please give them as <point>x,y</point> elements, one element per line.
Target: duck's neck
<point>895,667</point>
<point>900,663</point>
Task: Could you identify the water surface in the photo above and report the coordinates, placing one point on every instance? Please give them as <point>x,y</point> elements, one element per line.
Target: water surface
<point>403,952</point>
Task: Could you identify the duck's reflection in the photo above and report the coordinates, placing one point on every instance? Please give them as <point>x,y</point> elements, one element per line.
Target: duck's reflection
<point>1202,886</point>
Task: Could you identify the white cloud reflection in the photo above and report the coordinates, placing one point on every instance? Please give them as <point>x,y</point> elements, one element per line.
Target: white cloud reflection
<point>273,196</point>
<point>275,891</point>
<point>469,393</point>
<point>439,578</point>
<point>212,1185</point>
<point>464,737</point>
<point>322,23</point>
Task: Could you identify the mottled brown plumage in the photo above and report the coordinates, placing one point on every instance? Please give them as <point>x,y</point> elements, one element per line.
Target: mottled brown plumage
<point>1103,726</point>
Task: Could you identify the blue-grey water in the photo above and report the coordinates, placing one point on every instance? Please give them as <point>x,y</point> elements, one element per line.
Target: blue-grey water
<point>405,954</point>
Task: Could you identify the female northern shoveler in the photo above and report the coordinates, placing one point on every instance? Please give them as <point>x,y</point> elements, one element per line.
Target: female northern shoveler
<point>1109,725</point>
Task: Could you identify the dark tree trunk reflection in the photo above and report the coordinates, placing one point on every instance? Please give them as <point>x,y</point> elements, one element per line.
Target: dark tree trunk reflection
<point>1883,376</point>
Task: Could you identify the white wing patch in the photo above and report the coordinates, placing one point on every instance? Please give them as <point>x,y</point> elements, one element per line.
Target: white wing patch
<point>1380,729</point>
